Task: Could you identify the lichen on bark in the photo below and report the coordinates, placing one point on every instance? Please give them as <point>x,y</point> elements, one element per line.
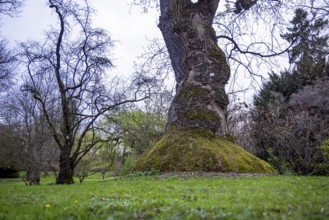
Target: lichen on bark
<point>198,62</point>
<point>197,128</point>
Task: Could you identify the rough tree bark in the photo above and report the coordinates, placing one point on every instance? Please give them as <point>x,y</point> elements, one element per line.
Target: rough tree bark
<point>66,166</point>
<point>200,66</point>
<point>196,137</point>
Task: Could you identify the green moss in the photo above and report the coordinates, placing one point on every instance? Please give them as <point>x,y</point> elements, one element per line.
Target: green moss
<point>199,150</point>
<point>193,91</point>
<point>201,115</point>
<point>216,52</point>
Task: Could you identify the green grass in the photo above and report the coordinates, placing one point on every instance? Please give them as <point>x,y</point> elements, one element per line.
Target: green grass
<point>265,197</point>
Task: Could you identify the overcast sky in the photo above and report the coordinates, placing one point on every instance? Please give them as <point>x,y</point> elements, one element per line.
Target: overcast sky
<point>128,26</point>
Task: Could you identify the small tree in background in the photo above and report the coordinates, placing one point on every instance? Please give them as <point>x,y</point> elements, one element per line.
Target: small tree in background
<point>99,159</point>
<point>136,128</point>
<point>31,137</point>
<point>140,128</point>
<point>75,56</point>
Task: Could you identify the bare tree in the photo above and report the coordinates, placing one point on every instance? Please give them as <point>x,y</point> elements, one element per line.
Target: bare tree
<point>6,66</point>
<point>31,138</point>
<point>248,52</point>
<point>75,56</point>
<point>252,39</point>
<point>10,7</point>
<point>249,32</point>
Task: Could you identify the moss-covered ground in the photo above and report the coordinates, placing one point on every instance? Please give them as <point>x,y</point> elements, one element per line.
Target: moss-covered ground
<point>174,197</point>
<point>199,150</point>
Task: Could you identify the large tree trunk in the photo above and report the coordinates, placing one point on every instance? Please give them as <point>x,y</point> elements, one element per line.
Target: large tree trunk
<point>66,161</point>
<point>200,66</point>
<point>66,167</point>
<point>195,139</point>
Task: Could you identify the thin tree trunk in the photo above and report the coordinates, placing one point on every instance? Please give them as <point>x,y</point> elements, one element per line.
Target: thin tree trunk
<point>200,66</point>
<point>32,175</point>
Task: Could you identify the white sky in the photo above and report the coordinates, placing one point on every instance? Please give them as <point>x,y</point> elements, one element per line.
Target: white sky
<point>128,26</point>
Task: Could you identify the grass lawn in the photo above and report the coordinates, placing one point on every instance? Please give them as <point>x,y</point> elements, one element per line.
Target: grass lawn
<point>158,197</point>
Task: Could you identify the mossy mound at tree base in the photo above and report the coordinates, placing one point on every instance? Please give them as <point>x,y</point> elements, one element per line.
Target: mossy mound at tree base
<point>199,150</point>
